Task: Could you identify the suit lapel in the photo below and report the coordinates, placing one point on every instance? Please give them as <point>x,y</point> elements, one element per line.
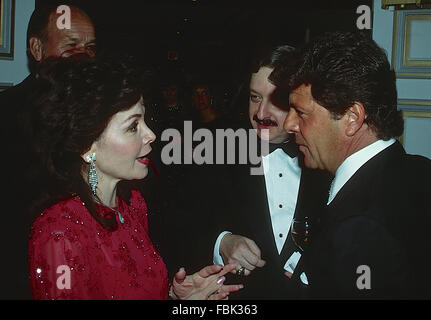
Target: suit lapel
<point>311,203</point>
<point>312,196</point>
<point>361,177</point>
<point>263,217</point>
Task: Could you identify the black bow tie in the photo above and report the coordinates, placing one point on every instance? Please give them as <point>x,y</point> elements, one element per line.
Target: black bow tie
<point>289,147</point>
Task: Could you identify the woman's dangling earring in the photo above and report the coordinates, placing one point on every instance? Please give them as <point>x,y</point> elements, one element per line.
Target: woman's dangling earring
<point>92,174</point>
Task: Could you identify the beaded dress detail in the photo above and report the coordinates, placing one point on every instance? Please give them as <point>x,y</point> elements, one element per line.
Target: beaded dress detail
<point>122,264</point>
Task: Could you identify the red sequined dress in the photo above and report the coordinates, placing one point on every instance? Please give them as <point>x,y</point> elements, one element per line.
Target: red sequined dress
<point>71,256</point>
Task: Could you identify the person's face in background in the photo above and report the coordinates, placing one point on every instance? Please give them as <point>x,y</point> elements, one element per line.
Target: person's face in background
<point>170,94</point>
<point>79,39</point>
<point>263,113</point>
<point>201,97</point>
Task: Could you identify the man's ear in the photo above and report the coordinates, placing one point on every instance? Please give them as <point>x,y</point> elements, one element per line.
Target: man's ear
<point>355,118</point>
<point>36,48</point>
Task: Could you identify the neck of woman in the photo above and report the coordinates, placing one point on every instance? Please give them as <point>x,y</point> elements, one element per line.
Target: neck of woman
<point>107,193</point>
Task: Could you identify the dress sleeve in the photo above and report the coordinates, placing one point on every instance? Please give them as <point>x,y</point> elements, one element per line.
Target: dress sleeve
<point>58,262</point>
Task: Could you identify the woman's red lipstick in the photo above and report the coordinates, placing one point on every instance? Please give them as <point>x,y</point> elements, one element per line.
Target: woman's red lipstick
<point>144,160</point>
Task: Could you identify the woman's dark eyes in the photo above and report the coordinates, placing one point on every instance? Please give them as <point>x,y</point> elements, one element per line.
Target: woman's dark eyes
<point>133,127</point>
<point>254,98</point>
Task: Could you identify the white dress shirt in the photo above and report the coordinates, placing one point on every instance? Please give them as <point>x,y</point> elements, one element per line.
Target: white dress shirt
<point>352,164</point>
<point>282,177</point>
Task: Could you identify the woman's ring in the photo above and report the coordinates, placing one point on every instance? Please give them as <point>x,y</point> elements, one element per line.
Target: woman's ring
<point>241,271</point>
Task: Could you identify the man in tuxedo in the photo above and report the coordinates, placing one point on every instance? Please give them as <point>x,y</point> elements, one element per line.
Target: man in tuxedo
<point>256,226</point>
<point>44,40</point>
<point>373,240</point>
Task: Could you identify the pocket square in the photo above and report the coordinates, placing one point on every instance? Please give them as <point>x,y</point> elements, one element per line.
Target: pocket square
<point>291,263</point>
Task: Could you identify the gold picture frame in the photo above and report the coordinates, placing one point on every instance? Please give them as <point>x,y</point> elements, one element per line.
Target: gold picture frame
<point>1,22</point>
<point>7,29</point>
<point>413,108</point>
<point>404,65</point>
<point>5,86</point>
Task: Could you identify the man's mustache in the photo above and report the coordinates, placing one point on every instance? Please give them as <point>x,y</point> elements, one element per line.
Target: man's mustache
<point>264,122</point>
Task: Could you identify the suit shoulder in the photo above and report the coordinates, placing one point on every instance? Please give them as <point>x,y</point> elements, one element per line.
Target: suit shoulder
<point>415,169</point>
<point>417,160</point>
<point>16,90</point>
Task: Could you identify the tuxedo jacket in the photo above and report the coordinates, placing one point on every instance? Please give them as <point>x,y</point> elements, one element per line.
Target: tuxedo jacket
<point>19,189</point>
<point>373,240</point>
<point>186,203</point>
<point>248,214</point>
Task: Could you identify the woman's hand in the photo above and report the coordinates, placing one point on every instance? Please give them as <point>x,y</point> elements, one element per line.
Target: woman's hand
<point>207,284</point>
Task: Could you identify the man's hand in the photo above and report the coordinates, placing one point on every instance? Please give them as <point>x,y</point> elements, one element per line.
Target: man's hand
<point>241,250</point>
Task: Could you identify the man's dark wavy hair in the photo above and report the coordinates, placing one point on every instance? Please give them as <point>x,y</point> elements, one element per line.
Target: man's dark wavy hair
<point>343,68</point>
<point>271,57</point>
<point>74,101</point>
<point>267,56</point>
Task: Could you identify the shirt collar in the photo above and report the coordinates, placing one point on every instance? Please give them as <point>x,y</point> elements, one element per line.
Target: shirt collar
<point>278,159</point>
<point>289,147</point>
<point>352,164</point>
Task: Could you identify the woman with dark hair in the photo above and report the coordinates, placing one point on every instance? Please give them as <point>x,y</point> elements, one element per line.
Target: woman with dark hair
<point>209,100</point>
<point>203,101</point>
<point>91,241</point>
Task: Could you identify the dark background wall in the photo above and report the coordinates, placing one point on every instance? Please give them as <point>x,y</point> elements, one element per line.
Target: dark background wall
<point>208,34</point>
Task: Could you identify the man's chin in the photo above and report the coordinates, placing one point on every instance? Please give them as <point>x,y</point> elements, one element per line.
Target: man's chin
<point>267,138</point>
<point>309,163</point>
<point>273,138</point>
<point>270,135</point>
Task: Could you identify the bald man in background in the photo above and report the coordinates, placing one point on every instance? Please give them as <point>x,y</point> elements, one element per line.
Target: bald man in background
<point>22,177</point>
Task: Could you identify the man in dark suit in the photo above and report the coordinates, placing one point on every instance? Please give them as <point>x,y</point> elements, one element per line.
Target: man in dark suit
<point>44,40</point>
<point>257,219</point>
<point>373,239</point>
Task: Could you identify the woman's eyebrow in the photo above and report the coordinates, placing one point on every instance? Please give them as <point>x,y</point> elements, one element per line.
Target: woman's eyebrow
<point>136,115</point>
